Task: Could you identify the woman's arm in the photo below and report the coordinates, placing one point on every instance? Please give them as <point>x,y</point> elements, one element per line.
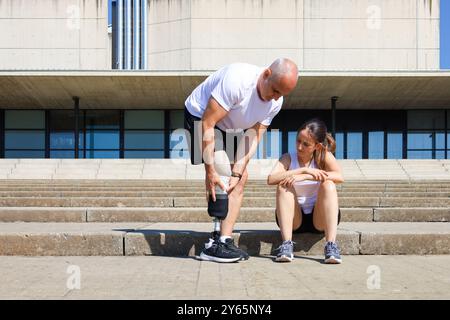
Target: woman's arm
<point>281,170</point>
<point>333,169</point>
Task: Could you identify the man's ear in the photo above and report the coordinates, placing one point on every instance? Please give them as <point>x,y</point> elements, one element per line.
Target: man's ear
<point>267,73</point>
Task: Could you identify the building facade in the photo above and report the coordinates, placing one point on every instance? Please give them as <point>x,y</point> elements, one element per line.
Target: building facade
<point>108,79</point>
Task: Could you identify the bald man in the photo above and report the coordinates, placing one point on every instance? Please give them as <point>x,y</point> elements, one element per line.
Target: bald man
<point>235,99</point>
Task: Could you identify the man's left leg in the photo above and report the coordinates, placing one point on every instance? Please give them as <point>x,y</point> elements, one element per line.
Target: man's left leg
<point>234,206</point>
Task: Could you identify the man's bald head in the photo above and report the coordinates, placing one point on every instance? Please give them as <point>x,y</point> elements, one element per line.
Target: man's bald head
<point>283,67</point>
<point>278,80</point>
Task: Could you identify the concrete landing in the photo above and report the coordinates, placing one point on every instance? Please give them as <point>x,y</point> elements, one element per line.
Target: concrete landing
<point>359,277</point>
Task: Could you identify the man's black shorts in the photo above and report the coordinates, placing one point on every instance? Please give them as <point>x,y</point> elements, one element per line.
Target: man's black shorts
<point>195,142</point>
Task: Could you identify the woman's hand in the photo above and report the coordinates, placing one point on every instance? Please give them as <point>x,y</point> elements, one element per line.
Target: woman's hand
<point>289,181</point>
<point>318,175</point>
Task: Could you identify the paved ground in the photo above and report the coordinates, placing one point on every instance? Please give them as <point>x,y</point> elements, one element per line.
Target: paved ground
<point>152,277</point>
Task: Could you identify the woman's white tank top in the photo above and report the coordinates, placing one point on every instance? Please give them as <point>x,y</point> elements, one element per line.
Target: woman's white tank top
<point>307,190</point>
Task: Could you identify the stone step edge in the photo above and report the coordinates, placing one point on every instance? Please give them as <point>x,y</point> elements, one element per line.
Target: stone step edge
<point>188,239</point>
<point>199,214</point>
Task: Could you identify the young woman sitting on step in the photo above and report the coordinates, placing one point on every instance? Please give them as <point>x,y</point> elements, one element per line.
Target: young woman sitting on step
<point>306,197</point>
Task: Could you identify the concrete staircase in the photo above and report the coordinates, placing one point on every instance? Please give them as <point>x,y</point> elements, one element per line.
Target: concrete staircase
<point>67,217</point>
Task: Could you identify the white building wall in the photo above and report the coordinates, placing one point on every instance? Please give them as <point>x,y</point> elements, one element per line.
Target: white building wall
<point>169,34</point>
<point>54,34</point>
<point>317,34</point>
<point>207,34</point>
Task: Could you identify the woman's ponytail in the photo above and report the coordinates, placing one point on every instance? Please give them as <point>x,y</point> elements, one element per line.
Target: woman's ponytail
<point>330,143</point>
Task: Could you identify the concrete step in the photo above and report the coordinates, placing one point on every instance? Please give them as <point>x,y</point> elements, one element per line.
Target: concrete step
<point>343,202</point>
<point>187,239</point>
<point>202,188</point>
<point>177,193</point>
<point>254,202</point>
<point>186,183</point>
<point>171,214</point>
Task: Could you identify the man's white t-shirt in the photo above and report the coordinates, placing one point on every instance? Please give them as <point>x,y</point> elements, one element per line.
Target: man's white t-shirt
<point>234,88</point>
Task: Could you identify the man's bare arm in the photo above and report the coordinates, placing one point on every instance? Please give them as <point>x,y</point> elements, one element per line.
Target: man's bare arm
<point>213,114</point>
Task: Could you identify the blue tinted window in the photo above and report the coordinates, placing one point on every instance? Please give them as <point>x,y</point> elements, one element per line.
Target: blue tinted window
<point>60,154</point>
<point>102,139</point>
<point>339,145</point>
<point>448,140</point>
<point>440,154</point>
<point>144,139</point>
<point>24,139</point>
<point>144,154</point>
<point>395,145</point>
<point>62,140</point>
<point>376,145</point>
<point>440,140</point>
<point>91,154</point>
<point>292,141</point>
<point>420,155</point>
<point>354,145</point>
<point>269,146</point>
<point>420,140</point>
<point>24,154</point>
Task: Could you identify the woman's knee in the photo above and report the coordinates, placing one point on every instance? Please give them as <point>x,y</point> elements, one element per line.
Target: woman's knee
<point>327,186</point>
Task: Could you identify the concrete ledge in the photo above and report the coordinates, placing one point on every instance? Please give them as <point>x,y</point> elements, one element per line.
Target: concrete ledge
<point>415,202</point>
<point>86,202</point>
<point>256,239</point>
<point>362,185</point>
<point>194,186</point>
<point>31,214</point>
<point>403,238</point>
<point>270,202</point>
<point>61,245</point>
<point>200,215</point>
<point>187,239</point>
<point>198,193</point>
<point>175,169</point>
<point>261,238</point>
<point>62,239</point>
<point>172,214</point>
<point>195,202</point>
<point>412,214</point>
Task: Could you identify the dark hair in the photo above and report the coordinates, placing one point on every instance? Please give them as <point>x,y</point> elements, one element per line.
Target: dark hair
<point>318,131</point>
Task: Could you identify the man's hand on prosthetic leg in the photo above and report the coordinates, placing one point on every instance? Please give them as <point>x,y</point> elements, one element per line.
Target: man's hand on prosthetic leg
<point>213,181</point>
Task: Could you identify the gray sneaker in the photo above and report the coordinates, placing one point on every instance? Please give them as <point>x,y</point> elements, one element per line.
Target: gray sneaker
<point>285,252</point>
<point>332,253</point>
